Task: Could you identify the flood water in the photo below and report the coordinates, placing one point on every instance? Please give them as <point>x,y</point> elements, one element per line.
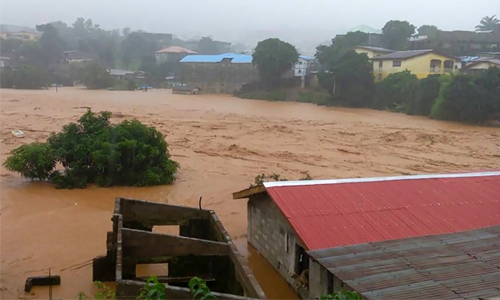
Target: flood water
<point>221,143</point>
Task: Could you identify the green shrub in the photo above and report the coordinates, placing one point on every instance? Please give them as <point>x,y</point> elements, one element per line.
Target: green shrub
<point>94,151</point>
<point>462,100</point>
<point>344,295</point>
<point>95,77</point>
<point>25,77</point>
<point>35,161</point>
<point>396,92</point>
<point>314,97</point>
<point>426,93</point>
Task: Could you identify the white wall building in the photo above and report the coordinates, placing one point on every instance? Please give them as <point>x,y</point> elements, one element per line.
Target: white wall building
<point>304,65</point>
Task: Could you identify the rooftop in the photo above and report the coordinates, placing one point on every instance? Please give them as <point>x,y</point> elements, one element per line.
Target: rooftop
<point>464,265</point>
<point>376,49</point>
<point>408,54</point>
<point>118,72</point>
<point>307,57</point>
<point>234,57</point>
<point>175,49</point>
<point>340,212</point>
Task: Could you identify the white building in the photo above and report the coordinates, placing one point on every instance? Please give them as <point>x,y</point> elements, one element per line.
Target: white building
<point>304,65</point>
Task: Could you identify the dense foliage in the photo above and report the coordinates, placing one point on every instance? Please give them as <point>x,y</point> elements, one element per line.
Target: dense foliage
<point>488,23</point>
<point>346,75</point>
<point>93,150</point>
<point>395,34</point>
<point>25,77</point>
<point>95,77</point>
<point>396,91</point>
<point>470,99</point>
<point>274,58</point>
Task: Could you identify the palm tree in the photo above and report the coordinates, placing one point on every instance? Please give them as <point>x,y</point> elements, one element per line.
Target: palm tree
<point>488,23</point>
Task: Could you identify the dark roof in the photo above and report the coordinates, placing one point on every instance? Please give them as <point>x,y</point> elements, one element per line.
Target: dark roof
<point>464,265</point>
<point>494,61</point>
<point>340,212</point>
<point>377,49</point>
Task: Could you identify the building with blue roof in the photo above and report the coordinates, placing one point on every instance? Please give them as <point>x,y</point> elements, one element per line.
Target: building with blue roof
<point>220,74</point>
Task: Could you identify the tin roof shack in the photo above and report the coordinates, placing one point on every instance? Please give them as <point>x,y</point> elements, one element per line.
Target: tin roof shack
<point>202,249</point>
<point>218,74</point>
<point>464,265</point>
<point>287,219</point>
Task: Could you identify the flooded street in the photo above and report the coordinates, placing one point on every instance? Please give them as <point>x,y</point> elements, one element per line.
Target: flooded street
<point>221,143</point>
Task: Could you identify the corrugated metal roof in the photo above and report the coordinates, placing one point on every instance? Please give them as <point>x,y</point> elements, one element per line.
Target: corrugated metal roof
<point>376,49</point>
<point>307,57</point>
<point>463,265</point>
<point>347,212</point>
<point>175,49</point>
<point>235,58</point>
<point>403,54</point>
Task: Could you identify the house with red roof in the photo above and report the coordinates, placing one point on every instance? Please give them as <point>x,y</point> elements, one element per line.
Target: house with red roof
<point>172,54</point>
<point>287,219</point>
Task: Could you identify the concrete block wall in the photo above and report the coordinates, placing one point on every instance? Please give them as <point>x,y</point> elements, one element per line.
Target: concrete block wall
<point>220,78</point>
<point>267,230</point>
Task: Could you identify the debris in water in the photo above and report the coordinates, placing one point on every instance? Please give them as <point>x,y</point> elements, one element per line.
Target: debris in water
<point>17,133</point>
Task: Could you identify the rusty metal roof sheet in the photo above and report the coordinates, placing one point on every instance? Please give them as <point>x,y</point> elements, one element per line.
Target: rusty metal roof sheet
<point>334,213</point>
<point>464,265</point>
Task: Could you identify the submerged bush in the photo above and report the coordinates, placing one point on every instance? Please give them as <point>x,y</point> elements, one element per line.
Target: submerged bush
<point>35,161</point>
<point>94,151</point>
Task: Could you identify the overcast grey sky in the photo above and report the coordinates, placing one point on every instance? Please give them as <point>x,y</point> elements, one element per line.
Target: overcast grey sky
<point>230,19</point>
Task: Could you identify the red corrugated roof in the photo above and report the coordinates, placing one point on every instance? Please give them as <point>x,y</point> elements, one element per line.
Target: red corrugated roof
<point>348,213</point>
<point>175,49</point>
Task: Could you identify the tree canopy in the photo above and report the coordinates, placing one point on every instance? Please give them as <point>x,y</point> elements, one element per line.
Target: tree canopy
<point>95,77</point>
<point>488,23</point>
<point>429,30</point>
<point>273,58</point>
<point>93,151</point>
<point>395,34</point>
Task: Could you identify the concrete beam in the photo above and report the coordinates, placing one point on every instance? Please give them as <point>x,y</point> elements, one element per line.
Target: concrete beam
<point>143,244</point>
<point>244,273</point>
<point>249,192</point>
<point>151,213</point>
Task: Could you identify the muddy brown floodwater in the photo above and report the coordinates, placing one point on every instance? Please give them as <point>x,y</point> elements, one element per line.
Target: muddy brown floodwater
<point>221,143</point>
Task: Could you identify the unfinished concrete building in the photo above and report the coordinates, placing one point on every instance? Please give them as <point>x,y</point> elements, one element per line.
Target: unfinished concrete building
<point>218,74</point>
<point>202,249</point>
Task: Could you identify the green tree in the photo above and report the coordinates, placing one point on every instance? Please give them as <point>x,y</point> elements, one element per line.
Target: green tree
<point>488,23</point>
<point>95,77</point>
<point>429,30</point>
<point>51,44</point>
<point>489,81</point>
<point>135,46</point>
<point>148,64</point>
<point>462,100</point>
<point>274,58</point>
<point>349,80</point>
<point>93,150</point>
<point>426,94</point>
<point>29,77</point>
<point>207,46</point>
<point>396,92</point>
<point>395,34</point>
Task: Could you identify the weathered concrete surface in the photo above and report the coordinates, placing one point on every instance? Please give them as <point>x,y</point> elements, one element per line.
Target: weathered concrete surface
<point>219,78</point>
<point>273,237</point>
<point>203,249</point>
